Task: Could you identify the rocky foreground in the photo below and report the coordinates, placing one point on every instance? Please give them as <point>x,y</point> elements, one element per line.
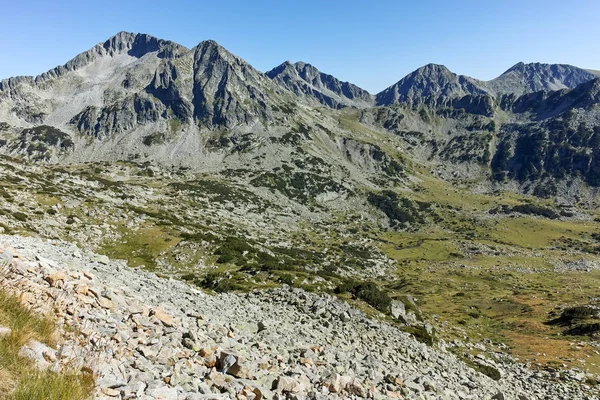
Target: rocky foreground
<point>145,337</point>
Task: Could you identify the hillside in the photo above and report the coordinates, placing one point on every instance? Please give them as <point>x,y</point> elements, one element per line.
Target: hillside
<point>165,340</point>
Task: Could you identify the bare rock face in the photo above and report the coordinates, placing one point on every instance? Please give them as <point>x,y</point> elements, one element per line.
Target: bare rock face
<point>227,91</point>
<point>166,87</point>
<point>136,45</point>
<point>307,81</point>
<point>527,78</point>
<point>429,84</point>
<point>118,117</point>
<point>546,103</point>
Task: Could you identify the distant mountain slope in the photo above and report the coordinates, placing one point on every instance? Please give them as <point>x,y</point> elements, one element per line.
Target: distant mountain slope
<point>527,78</point>
<point>593,72</point>
<point>134,45</point>
<point>429,83</point>
<point>436,84</point>
<point>308,82</point>
<point>136,97</point>
<point>136,79</point>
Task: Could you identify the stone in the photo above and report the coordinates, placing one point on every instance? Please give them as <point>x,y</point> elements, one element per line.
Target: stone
<point>227,362</point>
<point>206,351</point>
<point>39,353</point>
<point>4,331</point>
<point>163,317</point>
<point>104,302</point>
<point>102,259</point>
<point>397,309</point>
<point>55,278</point>
<point>287,384</point>
<point>160,392</point>
<point>190,344</point>
<point>110,392</point>
<point>262,326</point>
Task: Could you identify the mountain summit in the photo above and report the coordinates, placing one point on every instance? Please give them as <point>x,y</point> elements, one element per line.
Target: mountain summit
<point>132,44</point>
<point>228,91</point>
<point>429,82</point>
<point>526,78</point>
<point>308,82</point>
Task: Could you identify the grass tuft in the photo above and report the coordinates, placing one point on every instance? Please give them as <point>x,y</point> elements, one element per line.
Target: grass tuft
<point>19,379</point>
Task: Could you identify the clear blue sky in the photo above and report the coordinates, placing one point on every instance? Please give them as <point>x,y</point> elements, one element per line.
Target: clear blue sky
<point>370,43</point>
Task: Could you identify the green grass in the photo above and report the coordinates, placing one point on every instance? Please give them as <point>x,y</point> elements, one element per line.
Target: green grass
<point>19,379</point>
<point>141,247</point>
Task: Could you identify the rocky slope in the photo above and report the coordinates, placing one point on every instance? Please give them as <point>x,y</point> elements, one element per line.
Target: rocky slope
<point>428,84</point>
<point>534,77</point>
<point>147,337</point>
<point>306,81</point>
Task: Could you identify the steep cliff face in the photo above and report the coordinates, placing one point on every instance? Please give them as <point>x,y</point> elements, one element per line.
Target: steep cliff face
<point>119,117</point>
<point>168,86</point>
<point>227,91</point>
<point>307,82</point>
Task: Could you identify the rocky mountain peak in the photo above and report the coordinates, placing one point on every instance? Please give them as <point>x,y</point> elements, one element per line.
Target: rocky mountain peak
<point>429,83</point>
<point>307,81</point>
<point>432,69</point>
<point>139,44</point>
<point>520,66</point>
<point>133,44</point>
<point>227,90</point>
<point>533,77</point>
<point>212,47</point>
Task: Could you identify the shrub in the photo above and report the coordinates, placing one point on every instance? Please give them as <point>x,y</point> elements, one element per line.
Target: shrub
<point>19,216</point>
<point>218,282</point>
<point>420,333</point>
<point>398,210</point>
<point>286,279</point>
<point>232,251</point>
<point>489,371</point>
<point>368,292</point>
<point>583,329</point>
<point>579,312</point>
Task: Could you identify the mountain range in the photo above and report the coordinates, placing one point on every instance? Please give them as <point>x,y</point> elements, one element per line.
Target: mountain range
<point>136,97</point>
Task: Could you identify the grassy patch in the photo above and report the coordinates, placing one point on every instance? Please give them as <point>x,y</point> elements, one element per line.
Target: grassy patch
<point>141,247</point>
<point>19,380</point>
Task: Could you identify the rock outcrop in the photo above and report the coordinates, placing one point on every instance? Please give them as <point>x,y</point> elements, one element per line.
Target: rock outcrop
<point>534,77</point>
<point>432,84</point>
<point>306,81</point>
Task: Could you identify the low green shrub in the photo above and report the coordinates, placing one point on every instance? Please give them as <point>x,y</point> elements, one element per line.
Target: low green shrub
<point>489,371</point>
<point>368,292</point>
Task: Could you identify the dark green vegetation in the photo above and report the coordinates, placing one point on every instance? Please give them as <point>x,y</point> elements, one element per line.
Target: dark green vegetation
<point>528,209</point>
<point>400,211</point>
<point>579,320</point>
<point>300,186</point>
<point>48,135</point>
<point>367,291</point>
